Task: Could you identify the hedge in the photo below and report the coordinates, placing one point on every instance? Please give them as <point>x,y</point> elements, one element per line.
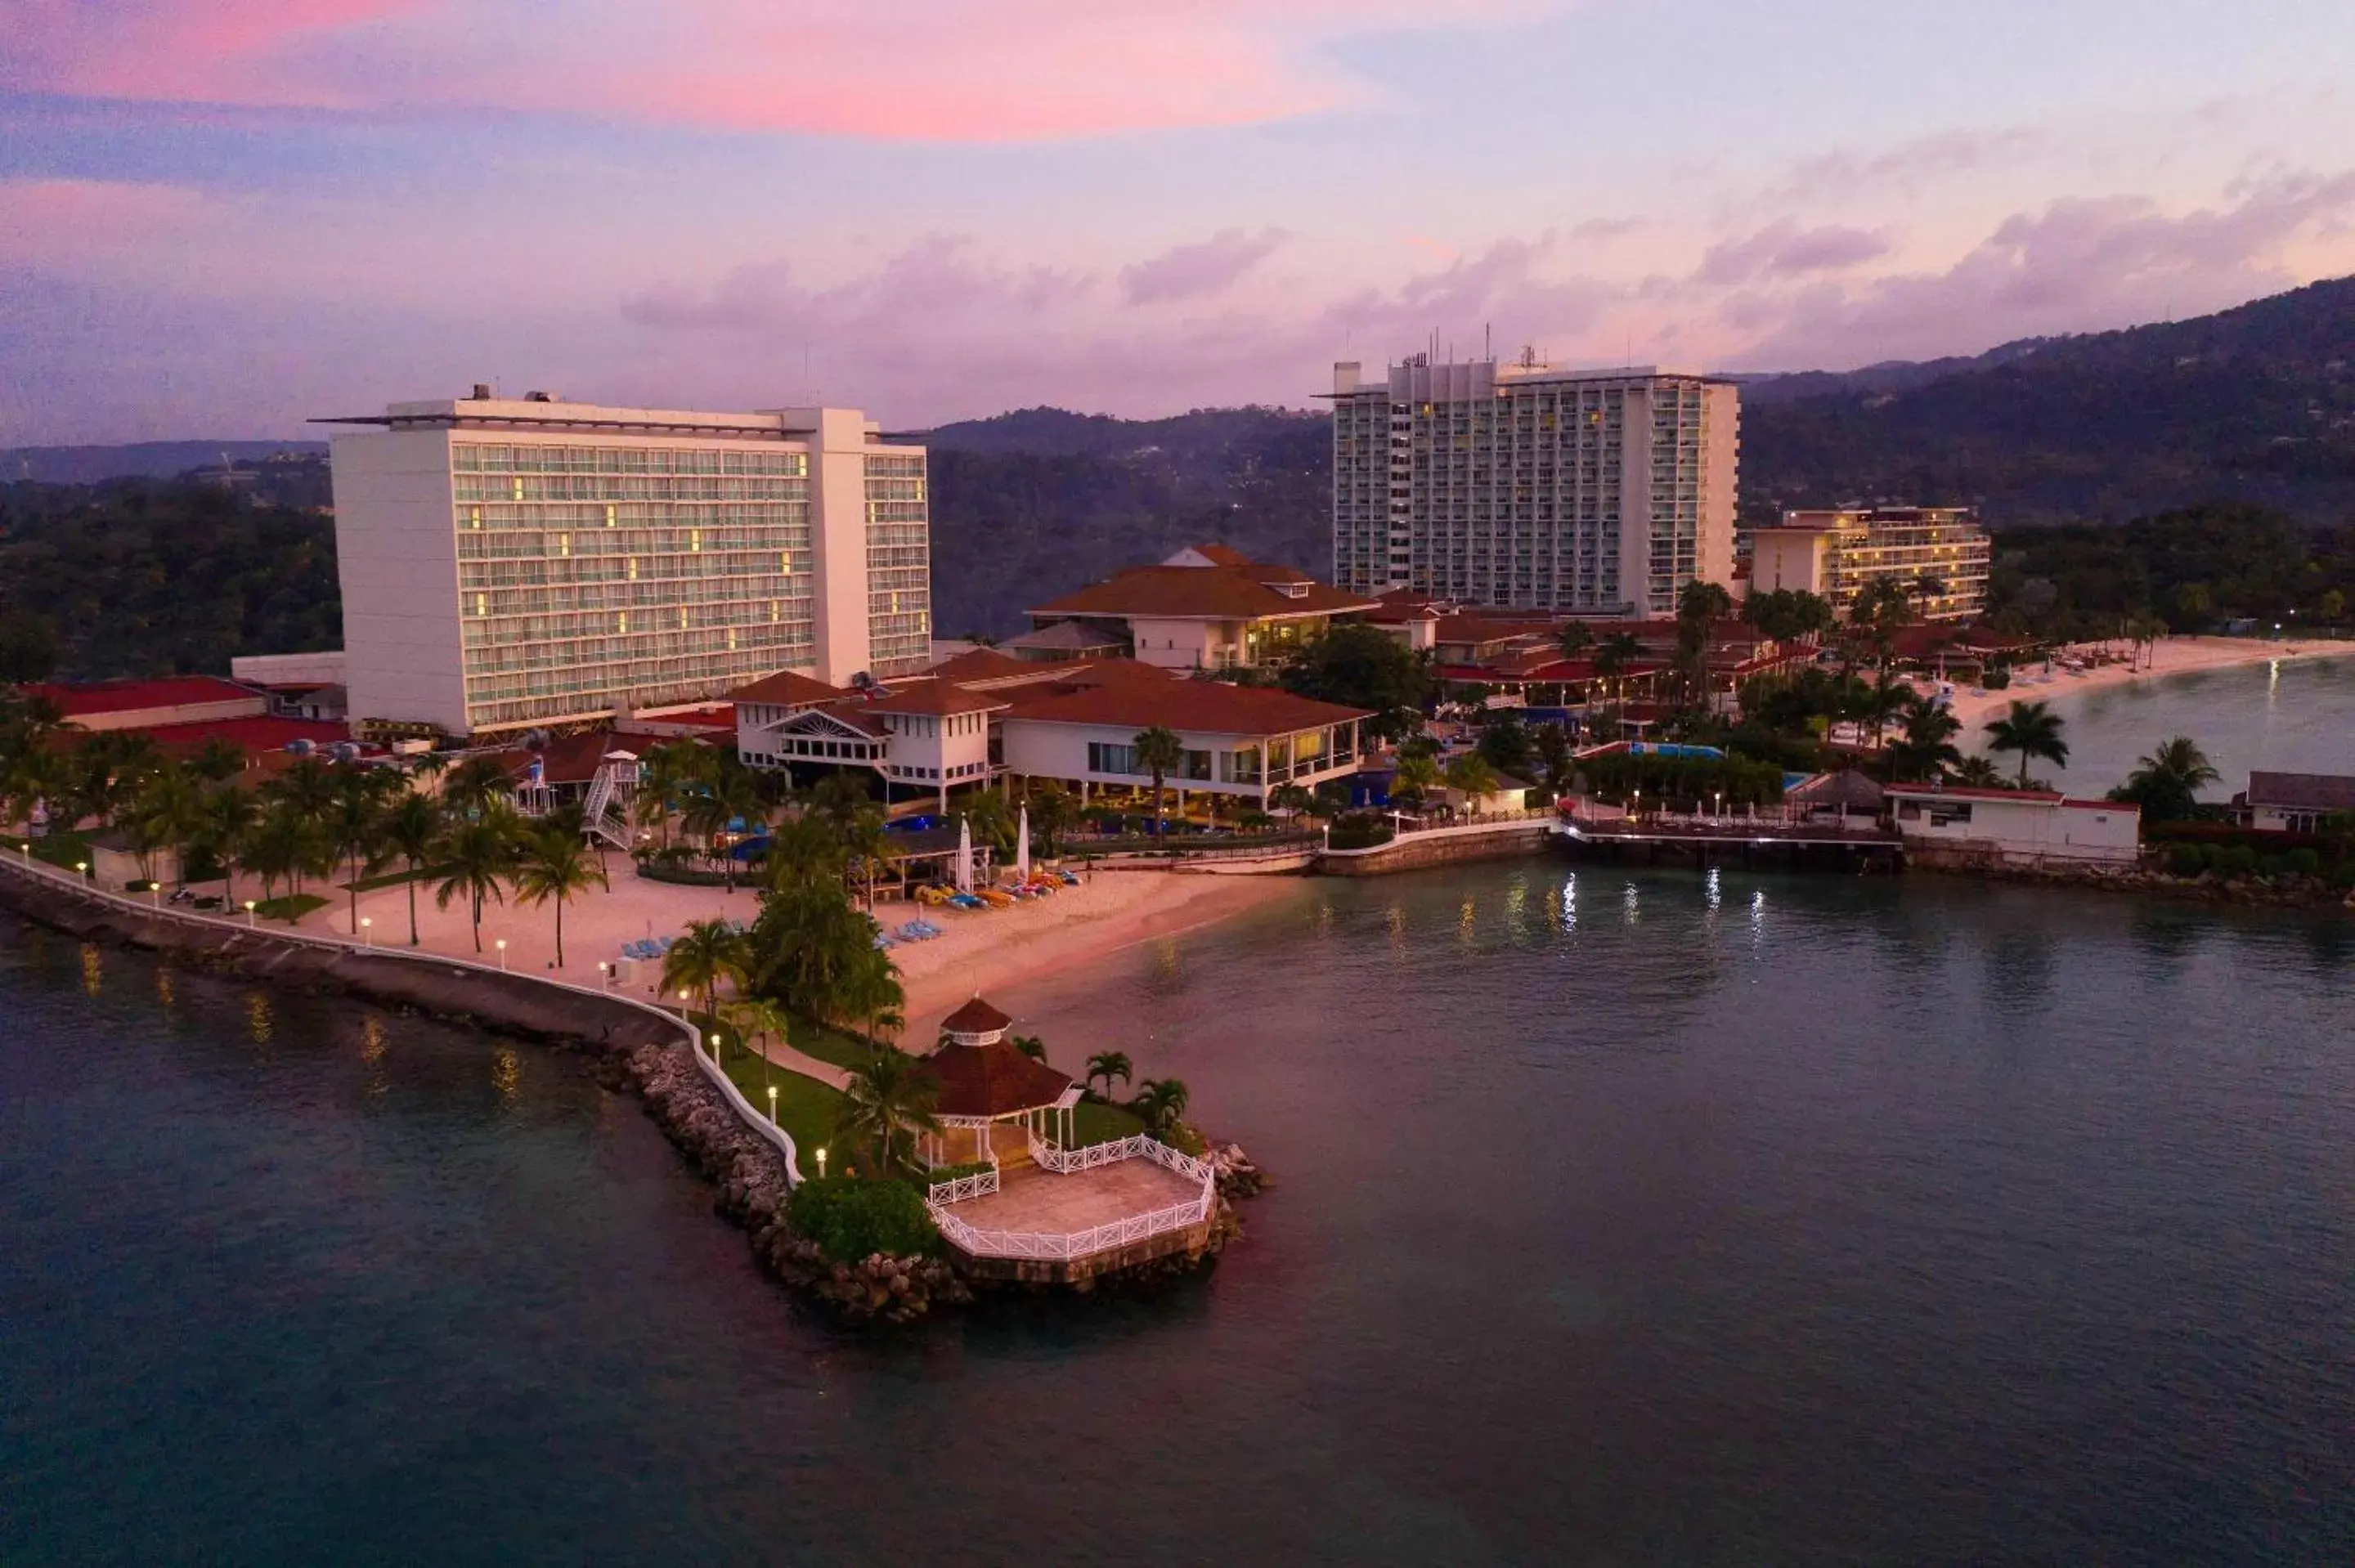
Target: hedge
<point>1683,781</point>
<point>851,1219</point>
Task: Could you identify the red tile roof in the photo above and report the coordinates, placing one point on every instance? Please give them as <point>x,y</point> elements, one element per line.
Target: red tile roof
<point>991,1080</point>
<point>983,665</point>
<point>260,733</point>
<point>1203,593</point>
<point>975,1017</point>
<point>1207,707</point>
<point>138,696</point>
<point>938,697</point>
<point>786,689</point>
<point>1223,554</point>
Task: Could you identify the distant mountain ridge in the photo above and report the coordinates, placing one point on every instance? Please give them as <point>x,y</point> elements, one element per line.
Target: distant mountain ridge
<point>139,460</point>
<point>2253,404</point>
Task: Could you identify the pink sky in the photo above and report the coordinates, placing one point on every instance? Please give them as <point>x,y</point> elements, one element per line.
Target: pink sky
<point>219,216</point>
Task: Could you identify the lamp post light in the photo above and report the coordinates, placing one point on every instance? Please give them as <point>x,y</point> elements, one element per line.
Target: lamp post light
<point>605,975</point>
<point>821,1164</point>
<point>367,932</point>
<point>772,1105</point>
<point>503,952</point>
<point>715,1046</point>
<point>82,867</point>
<point>249,911</point>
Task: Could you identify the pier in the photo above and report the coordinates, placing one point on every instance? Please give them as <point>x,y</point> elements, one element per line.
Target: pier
<point>1818,840</point>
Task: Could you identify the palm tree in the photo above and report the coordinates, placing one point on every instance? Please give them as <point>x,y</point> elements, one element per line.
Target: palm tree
<point>1416,776</point>
<point>705,953</point>
<point>1291,799</point>
<point>1471,777</point>
<point>223,821</point>
<point>887,1100</point>
<point>1160,1102</point>
<point>1978,773</point>
<point>1925,588</point>
<point>1927,747</point>
<point>354,825</point>
<point>219,761</point>
<point>168,812</point>
<point>804,851</point>
<point>476,786</point>
<point>2032,729</point>
<point>729,796</point>
<point>1107,1065</point>
<point>1611,658</point>
<point>284,841</point>
<point>755,1016</point>
<point>1053,809</point>
<point>1030,1045</point>
<point>553,864</point>
<point>1576,638</point>
<point>412,833</point>
<point>1159,752</point>
<point>478,856</point>
<point>2167,783</point>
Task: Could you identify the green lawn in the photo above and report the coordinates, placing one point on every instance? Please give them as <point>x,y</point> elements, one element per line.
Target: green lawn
<point>61,849</point>
<point>289,907</point>
<point>394,879</point>
<point>806,1109</point>
<point>1092,1124</point>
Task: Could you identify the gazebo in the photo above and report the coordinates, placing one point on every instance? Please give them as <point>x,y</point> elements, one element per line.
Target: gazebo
<point>982,1081</point>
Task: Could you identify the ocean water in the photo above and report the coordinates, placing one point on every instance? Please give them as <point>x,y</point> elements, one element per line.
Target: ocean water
<point>2296,715</point>
<point>1622,1217</point>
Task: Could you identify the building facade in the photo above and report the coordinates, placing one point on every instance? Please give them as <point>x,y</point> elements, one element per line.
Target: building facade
<point>2294,802</point>
<point>510,563</point>
<point>1598,492</point>
<point>1951,824</point>
<point>1834,554</point>
<point>1205,608</point>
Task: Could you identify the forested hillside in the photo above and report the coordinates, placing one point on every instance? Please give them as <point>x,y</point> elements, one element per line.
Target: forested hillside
<point>140,577</point>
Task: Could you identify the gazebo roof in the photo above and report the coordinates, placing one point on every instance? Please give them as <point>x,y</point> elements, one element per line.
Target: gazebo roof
<point>976,1017</point>
<point>1833,791</point>
<point>991,1080</point>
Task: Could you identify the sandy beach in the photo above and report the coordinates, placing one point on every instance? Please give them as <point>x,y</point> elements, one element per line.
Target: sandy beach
<point>979,951</point>
<point>2170,656</point>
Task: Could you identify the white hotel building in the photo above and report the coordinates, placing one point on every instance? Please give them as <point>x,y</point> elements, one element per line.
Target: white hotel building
<point>509,563</point>
<point>1587,491</point>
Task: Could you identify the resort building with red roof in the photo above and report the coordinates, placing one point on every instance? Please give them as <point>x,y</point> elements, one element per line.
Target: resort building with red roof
<point>1205,608</point>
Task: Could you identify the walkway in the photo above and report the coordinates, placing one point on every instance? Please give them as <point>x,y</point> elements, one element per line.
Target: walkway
<point>1037,1201</point>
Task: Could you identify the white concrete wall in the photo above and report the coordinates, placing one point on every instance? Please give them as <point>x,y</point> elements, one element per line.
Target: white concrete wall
<point>397,559</point>
<point>837,447</point>
<point>1720,463</point>
<point>2031,830</point>
<point>325,669</point>
<point>1784,561</point>
<point>1042,750</point>
<point>1176,644</point>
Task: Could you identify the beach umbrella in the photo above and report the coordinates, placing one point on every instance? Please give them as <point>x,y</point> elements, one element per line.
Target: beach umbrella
<point>1022,847</point>
<point>964,856</point>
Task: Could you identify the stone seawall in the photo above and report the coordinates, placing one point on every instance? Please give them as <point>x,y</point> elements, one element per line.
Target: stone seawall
<point>1443,847</point>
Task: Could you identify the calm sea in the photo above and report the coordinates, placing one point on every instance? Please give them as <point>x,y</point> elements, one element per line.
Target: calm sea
<point>2294,717</point>
<point>1624,1218</point>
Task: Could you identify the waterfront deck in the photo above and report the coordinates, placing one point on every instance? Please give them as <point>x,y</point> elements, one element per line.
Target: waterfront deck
<point>1038,1201</point>
<point>1824,842</point>
<point>1120,1205</point>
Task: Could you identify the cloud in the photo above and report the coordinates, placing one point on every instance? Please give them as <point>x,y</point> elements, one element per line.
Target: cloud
<point>946,71</point>
<point>1209,267</point>
<point>1785,250</point>
<point>1908,166</point>
<point>2081,264</point>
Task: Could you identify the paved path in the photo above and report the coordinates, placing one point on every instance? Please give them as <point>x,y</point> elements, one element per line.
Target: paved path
<point>784,1056</point>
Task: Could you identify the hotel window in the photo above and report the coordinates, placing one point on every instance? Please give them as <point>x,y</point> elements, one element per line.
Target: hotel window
<point>1103,756</point>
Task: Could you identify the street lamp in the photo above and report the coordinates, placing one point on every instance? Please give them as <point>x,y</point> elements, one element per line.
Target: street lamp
<point>715,1045</point>
<point>772,1105</point>
<point>503,952</point>
<point>249,911</point>
<point>821,1164</point>
<point>368,935</point>
<point>82,867</point>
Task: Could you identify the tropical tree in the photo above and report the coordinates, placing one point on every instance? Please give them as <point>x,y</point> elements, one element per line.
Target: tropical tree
<point>1291,799</point>
<point>1362,666</point>
<point>1160,1102</point>
<point>726,798</point>
<point>1787,615</point>
<point>551,865</point>
<point>1554,755</point>
<point>1106,1066</point>
<point>868,993</point>
<point>886,1102</point>
<point>1925,588</point>
<point>2167,783</point>
<point>1471,777</point>
<point>168,813</point>
<point>1926,747</point>
<point>1416,777</point>
<point>412,829</point>
<point>225,818</point>
<point>1575,638</point>
<point>705,953</point>
<point>284,842</point>
<point>1053,810</point>
<point>1030,1045</point>
<point>478,856</point>
<point>1980,773</point>
<point>1160,753</point>
<point>1612,658</point>
<point>219,761</point>
<point>476,786</point>
<point>354,824</point>
<point>755,1018</point>
<point>2032,729</point>
<point>804,852</point>
<point>1699,606</point>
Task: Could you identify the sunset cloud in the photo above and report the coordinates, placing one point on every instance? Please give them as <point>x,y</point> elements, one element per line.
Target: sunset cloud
<point>1191,271</point>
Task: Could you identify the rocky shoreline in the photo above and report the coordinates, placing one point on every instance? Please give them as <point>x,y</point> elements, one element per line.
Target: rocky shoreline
<point>2287,892</point>
<point>638,1053</point>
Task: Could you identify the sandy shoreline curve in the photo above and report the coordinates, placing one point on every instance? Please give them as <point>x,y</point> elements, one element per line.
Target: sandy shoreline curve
<point>2170,656</point>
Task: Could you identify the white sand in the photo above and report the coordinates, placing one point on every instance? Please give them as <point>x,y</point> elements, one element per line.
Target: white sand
<point>2170,656</point>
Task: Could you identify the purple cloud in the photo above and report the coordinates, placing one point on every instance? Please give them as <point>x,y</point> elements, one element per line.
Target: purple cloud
<point>1209,267</point>
<point>1785,250</point>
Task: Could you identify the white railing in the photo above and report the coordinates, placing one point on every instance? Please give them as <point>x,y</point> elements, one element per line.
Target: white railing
<point>155,908</point>
<point>603,792</point>
<point>957,1188</point>
<point>1137,1146</point>
<point>1082,1244</point>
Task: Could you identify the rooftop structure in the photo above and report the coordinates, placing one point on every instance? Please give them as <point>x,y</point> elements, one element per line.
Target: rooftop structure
<point>2294,802</point>
<point>1205,608</point>
<point>511,563</point>
<point>2013,827</point>
<point>1601,492</point>
<point>151,705</point>
<point>1834,554</point>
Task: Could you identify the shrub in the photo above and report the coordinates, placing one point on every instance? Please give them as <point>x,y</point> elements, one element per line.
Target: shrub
<point>2187,860</point>
<point>2237,860</point>
<point>1358,831</point>
<point>851,1219</point>
<point>2302,862</point>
